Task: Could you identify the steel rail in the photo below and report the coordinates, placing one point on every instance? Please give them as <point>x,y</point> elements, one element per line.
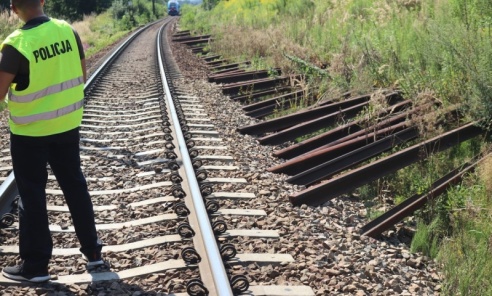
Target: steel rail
<point>196,42</point>
<point>239,77</point>
<point>329,168</point>
<point>316,124</point>
<point>311,126</point>
<point>345,132</point>
<point>257,84</point>
<point>215,266</point>
<point>275,101</point>
<point>211,57</point>
<point>312,159</point>
<point>231,70</point>
<point>8,192</point>
<point>8,189</point>
<point>258,94</point>
<point>287,121</point>
<point>191,38</point>
<point>230,66</point>
<point>216,62</point>
<point>182,33</point>
<point>323,192</point>
<point>410,205</point>
<point>347,145</point>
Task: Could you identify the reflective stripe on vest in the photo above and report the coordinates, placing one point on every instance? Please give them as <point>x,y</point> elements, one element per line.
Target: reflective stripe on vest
<point>47,91</point>
<point>48,115</point>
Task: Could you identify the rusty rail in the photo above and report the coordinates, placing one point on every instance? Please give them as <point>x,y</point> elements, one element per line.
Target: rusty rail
<point>340,147</point>
<point>345,183</point>
<point>260,93</point>
<point>199,49</point>
<point>282,105</point>
<point>211,58</point>
<point>196,42</point>
<point>410,205</point>
<point>311,126</point>
<point>241,77</point>
<point>230,66</point>
<point>273,101</point>
<point>290,120</point>
<point>230,70</point>
<point>236,88</point>
<point>344,132</point>
<point>346,161</point>
<point>352,141</point>
<point>190,38</point>
<point>214,76</point>
<point>216,62</point>
<point>182,33</point>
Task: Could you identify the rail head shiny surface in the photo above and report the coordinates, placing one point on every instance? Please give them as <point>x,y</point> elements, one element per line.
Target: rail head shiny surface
<point>8,192</point>
<point>216,266</point>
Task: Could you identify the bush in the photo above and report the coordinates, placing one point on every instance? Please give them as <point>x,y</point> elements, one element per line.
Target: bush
<point>8,23</point>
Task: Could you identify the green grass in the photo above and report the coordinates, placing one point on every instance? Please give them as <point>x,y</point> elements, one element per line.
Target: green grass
<point>466,254</point>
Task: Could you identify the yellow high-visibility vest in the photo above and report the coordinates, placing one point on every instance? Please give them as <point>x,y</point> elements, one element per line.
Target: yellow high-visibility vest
<point>53,102</point>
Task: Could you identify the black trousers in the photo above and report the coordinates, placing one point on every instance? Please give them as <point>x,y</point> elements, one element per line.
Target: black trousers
<point>30,155</point>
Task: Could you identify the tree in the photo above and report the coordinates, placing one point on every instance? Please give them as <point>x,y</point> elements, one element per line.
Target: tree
<point>67,9</point>
<point>75,9</point>
<point>5,5</point>
<point>209,4</point>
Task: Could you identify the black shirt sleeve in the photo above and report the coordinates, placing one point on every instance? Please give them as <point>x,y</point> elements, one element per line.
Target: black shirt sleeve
<point>79,45</point>
<point>13,62</point>
<point>10,60</point>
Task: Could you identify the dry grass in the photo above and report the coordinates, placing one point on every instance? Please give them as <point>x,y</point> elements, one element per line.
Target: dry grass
<point>8,23</point>
<point>268,44</point>
<point>427,115</point>
<point>84,27</point>
<point>486,176</point>
<point>86,34</point>
<point>372,114</point>
<point>97,32</point>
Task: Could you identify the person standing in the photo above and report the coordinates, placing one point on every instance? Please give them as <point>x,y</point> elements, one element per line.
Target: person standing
<point>42,68</point>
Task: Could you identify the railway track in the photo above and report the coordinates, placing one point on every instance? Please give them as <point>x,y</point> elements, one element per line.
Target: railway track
<point>159,176</point>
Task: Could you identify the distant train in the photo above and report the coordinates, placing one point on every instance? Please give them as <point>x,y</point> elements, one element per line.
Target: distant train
<point>173,7</point>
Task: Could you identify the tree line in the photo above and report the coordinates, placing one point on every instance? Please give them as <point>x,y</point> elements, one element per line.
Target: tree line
<point>73,9</point>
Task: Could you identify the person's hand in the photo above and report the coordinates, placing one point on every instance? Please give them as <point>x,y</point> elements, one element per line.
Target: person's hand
<point>3,105</point>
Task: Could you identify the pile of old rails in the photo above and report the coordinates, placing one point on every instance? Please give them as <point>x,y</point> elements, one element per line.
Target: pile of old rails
<point>340,144</point>
<point>345,183</point>
<point>326,160</point>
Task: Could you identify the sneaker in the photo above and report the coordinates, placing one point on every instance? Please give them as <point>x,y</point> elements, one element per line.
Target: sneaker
<point>95,262</point>
<point>19,274</point>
